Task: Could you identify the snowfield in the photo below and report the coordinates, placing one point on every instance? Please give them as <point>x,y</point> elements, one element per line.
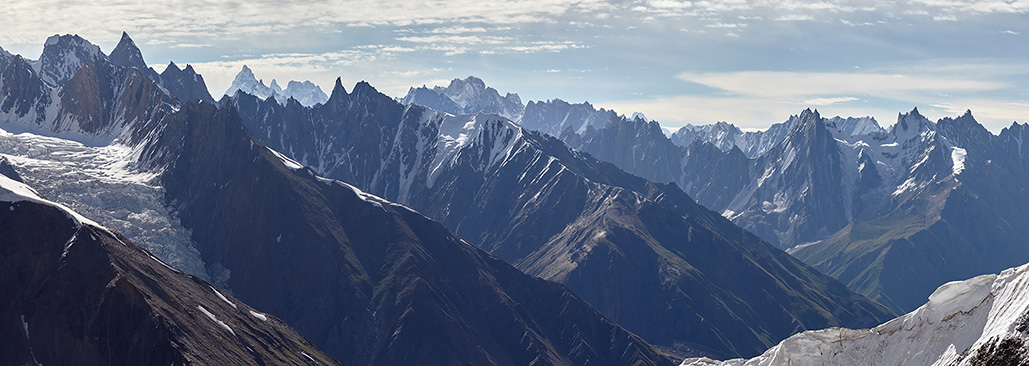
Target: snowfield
<point>961,319</point>
<point>99,182</point>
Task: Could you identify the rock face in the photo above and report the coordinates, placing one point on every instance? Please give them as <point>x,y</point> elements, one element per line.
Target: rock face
<point>185,84</point>
<point>979,321</point>
<point>127,54</point>
<point>5,58</point>
<point>644,254</point>
<point>77,293</point>
<point>370,281</point>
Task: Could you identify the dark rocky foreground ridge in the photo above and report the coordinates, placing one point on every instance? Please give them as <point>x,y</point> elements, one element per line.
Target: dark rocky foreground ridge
<point>78,294</point>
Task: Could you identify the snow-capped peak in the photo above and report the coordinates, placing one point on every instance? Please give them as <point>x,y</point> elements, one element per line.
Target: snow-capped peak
<point>852,126</point>
<point>63,56</point>
<point>307,93</point>
<point>963,321</point>
<point>468,95</point>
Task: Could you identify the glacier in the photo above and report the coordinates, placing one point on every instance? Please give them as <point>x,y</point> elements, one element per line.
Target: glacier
<point>101,182</point>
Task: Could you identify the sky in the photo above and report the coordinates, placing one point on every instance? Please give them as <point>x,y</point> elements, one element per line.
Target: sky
<point>748,62</point>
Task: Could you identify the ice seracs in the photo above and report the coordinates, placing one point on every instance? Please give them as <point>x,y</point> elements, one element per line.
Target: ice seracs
<point>102,182</point>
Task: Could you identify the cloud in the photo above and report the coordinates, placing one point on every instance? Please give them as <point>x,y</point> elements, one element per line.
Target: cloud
<point>793,86</point>
<point>191,45</point>
<point>758,98</point>
<point>453,39</point>
<point>794,18</point>
<point>820,102</point>
<point>727,25</point>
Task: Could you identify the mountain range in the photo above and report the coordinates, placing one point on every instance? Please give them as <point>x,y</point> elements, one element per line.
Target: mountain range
<point>893,213</point>
<point>305,92</point>
<point>374,230</point>
<point>637,251</point>
<point>366,280</point>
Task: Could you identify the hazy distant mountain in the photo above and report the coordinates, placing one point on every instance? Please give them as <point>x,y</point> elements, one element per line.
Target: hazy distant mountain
<point>305,92</point>
<point>463,96</point>
<point>556,117</point>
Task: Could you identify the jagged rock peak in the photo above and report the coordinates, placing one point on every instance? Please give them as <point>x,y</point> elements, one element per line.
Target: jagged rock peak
<point>126,53</point>
<point>807,118</point>
<point>5,58</point>
<point>363,87</point>
<point>910,124</point>
<point>338,91</point>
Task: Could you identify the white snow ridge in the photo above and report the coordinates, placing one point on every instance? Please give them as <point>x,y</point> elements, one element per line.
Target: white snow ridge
<point>959,323</point>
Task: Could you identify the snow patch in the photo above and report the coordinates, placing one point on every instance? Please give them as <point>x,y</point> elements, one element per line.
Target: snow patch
<point>259,316</point>
<point>215,319</point>
<point>957,156</point>
<point>220,296</point>
<point>289,163</point>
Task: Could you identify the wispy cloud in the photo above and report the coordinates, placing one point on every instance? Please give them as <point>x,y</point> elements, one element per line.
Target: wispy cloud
<point>794,17</point>
<point>758,98</point>
<point>821,102</point>
<point>796,86</point>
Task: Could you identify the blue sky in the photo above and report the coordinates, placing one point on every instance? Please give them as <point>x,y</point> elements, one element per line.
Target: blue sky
<point>752,63</point>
